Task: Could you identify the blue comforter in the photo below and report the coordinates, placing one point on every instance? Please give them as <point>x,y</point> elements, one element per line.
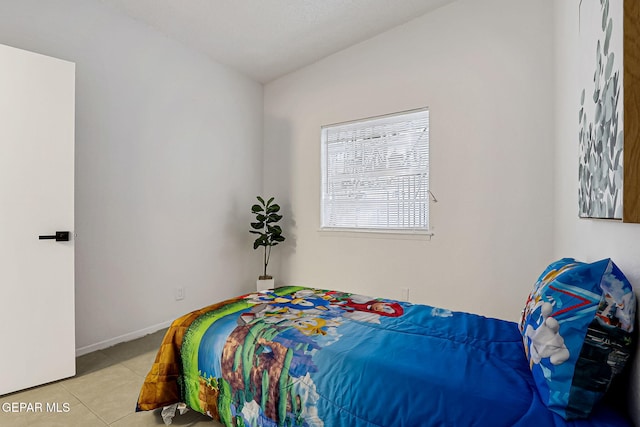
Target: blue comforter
<point>307,357</point>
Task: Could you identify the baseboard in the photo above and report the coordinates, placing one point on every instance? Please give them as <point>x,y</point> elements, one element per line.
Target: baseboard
<point>122,338</point>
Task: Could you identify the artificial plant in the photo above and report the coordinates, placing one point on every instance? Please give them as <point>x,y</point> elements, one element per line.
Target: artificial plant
<point>269,233</point>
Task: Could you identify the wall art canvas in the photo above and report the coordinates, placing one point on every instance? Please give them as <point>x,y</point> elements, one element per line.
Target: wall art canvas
<point>600,113</point>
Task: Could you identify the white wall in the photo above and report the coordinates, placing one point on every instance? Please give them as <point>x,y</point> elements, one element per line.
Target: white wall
<point>168,160</point>
<point>584,239</point>
<point>485,71</point>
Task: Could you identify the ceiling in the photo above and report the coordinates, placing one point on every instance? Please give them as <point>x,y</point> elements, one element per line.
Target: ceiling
<point>265,39</point>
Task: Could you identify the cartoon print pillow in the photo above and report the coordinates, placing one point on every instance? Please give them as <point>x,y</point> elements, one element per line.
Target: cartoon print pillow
<point>576,328</point>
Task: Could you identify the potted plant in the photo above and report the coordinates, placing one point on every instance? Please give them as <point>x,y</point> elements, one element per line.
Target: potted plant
<point>269,234</point>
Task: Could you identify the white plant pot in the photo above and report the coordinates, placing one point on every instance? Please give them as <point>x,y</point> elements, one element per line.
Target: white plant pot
<point>263,285</point>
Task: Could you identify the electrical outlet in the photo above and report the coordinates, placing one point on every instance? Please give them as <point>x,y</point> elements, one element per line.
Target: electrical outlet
<point>405,294</point>
<point>179,294</point>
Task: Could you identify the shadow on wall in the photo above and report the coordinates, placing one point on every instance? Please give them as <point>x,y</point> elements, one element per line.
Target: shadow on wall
<point>235,232</point>
<point>278,182</point>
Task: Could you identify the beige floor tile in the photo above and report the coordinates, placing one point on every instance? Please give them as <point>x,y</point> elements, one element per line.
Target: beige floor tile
<point>141,364</point>
<point>96,383</point>
<point>153,418</point>
<point>78,415</point>
<point>140,419</point>
<point>51,405</point>
<point>92,362</point>
<point>103,393</point>
<point>47,393</point>
<point>129,350</point>
<point>111,393</point>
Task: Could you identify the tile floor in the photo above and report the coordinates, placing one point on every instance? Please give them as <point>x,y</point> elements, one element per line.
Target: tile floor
<point>103,393</point>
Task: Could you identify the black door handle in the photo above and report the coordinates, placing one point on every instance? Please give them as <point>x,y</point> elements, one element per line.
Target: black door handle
<point>60,236</point>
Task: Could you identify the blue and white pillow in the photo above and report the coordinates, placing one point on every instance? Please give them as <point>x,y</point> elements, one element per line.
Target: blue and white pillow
<point>577,330</point>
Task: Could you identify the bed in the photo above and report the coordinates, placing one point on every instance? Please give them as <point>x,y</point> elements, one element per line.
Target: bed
<point>298,356</point>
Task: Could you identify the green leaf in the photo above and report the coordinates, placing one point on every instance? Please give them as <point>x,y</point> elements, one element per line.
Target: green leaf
<point>264,226</point>
<point>274,218</point>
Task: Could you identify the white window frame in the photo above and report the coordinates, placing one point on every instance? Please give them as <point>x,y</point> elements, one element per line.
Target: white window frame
<point>375,174</point>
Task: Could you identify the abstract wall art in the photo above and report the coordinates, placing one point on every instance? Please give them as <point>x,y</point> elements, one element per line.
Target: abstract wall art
<point>600,113</point>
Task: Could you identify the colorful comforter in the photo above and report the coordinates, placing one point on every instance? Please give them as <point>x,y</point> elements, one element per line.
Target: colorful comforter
<point>308,357</point>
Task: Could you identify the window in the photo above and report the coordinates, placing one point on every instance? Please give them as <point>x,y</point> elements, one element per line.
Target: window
<point>375,174</point>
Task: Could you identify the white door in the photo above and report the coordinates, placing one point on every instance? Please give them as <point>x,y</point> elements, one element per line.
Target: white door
<point>37,325</point>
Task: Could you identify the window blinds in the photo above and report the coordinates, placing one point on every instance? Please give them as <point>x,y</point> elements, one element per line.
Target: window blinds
<point>375,173</point>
